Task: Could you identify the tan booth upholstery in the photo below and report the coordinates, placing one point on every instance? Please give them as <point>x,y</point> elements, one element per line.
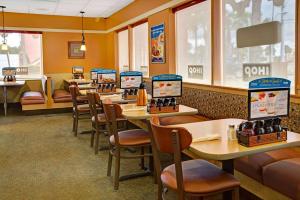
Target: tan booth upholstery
<point>31,97</point>
<point>61,96</point>
<point>279,170</point>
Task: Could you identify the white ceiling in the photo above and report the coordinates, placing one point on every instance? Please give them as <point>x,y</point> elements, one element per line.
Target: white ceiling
<point>93,8</point>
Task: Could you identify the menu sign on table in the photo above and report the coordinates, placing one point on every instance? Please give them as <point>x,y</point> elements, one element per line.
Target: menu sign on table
<point>94,73</point>
<point>131,79</point>
<point>268,98</point>
<point>166,85</point>
<point>106,76</point>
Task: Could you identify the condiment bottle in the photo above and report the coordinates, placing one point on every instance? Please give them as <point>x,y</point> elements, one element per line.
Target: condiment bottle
<point>141,96</point>
<point>231,132</point>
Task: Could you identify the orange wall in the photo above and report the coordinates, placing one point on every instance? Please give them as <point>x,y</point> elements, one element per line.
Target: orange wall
<point>52,21</point>
<point>134,9</point>
<point>55,50</point>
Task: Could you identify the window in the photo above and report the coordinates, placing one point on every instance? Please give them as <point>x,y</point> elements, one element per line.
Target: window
<point>241,65</point>
<point>140,49</point>
<point>24,52</point>
<point>193,43</point>
<point>123,51</point>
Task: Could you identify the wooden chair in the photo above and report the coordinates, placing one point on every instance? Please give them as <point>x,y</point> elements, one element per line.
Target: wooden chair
<point>98,118</point>
<point>119,140</point>
<point>193,178</point>
<point>80,111</point>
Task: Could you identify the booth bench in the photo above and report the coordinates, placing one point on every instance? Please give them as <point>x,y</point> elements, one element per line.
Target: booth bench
<point>278,170</point>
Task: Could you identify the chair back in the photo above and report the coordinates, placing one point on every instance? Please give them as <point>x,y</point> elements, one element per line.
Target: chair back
<point>92,99</point>
<point>112,112</point>
<point>74,93</point>
<point>164,136</point>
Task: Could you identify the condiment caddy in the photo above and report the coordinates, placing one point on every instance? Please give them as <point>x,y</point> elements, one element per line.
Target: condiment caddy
<point>163,105</point>
<point>106,88</point>
<point>130,94</point>
<point>261,132</point>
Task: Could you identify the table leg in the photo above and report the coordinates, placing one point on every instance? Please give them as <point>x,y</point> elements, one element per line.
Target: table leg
<point>5,99</point>
<point>228,166</point>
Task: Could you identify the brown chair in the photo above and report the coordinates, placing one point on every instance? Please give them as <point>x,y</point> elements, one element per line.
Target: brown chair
<point>80,111</point>
<point>98,118</point>
<point>136,138</point>
<point>193,178</point>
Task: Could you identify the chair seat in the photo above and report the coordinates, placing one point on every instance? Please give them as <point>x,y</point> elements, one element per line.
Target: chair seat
<point>284,176</point>
<point>83,108</point>
<point>31,97</point>
<point>61,96</point>
<point>199,176</point>
<point>165,121</point>
<point>252,165</point>
<point>133,137</point>
<point>82,99</point>
<point>101,118</point>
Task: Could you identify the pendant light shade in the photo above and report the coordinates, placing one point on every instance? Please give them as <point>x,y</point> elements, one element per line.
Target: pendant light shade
<point>4,46</point>
<point>83,46</point>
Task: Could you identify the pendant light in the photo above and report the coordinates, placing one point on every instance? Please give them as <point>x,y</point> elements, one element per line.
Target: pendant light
<point>82,47</point>
<point>4,46</point>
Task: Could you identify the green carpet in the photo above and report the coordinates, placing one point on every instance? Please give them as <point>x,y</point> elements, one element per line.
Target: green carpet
<point>41,159</point>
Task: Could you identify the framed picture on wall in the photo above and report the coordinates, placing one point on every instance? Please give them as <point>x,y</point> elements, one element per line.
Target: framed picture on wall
<point>74,51</point>
<point>158,44</point>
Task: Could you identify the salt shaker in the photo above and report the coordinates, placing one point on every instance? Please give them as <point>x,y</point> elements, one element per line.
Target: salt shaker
<point>231,132</point>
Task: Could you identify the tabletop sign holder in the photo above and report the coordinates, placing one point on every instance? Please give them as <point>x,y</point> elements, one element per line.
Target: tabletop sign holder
<point>106,80</point>
<point>9,74</point>
<point>165,89</point>
<point>268,101</point>
<point>93,75</point>
<point>130,81</point>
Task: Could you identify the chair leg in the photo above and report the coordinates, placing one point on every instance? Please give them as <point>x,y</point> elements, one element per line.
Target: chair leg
<point>235,194</point>
<point>73,116</point>
<point>97,141</point>
<point>117,169</point>
<point>76,125</point>
<point>92,138</point>
<point>143,158</point>
<point>159,191</point>
<point>109,164</point>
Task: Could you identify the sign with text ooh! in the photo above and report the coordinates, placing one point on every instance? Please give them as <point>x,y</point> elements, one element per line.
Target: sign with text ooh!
<point>253,71</point>
<point>195,71</point>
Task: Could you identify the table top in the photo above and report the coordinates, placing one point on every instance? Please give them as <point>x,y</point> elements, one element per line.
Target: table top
<point>118,91</point>
<point>224,149</point>
<point>87,86</point>
<point>117,98</point>
<point>132,111</point>
<point>13,83</point>
<point>79,81</point>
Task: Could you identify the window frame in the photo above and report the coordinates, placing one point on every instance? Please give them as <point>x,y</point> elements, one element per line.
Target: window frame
<point>29,77</point>
<point>182,7</point>
<point>118,57</point>
<point>132,67</point>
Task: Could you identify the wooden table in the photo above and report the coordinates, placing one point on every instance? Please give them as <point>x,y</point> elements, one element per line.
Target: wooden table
<point>134,112</point>
<point>118,91</point>
<point>87,86</point>
<point>226,150</point>
<point>5,85</point>
<point>78,81</point>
